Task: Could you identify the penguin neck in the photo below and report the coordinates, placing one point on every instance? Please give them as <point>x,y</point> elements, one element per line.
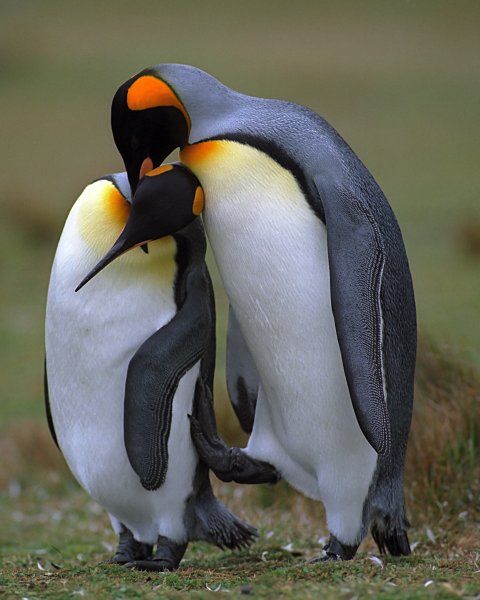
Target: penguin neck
<point>203,96</point>
<point>231,172</point>
<point>255,211</point>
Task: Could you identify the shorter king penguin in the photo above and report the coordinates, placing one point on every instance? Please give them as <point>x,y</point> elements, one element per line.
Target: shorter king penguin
<point>127,358</point>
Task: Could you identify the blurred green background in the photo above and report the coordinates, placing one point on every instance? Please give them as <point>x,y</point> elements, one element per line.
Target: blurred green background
<point>399,80</point>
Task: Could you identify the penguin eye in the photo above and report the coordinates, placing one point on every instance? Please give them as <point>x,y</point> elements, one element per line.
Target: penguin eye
<point>134,143</point>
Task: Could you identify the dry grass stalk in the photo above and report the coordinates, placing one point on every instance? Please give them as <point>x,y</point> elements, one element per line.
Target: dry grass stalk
<point>443,464</point>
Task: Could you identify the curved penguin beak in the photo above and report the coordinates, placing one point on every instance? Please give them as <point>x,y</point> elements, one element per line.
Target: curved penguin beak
<point>181,201</point>
<point>121,246</point>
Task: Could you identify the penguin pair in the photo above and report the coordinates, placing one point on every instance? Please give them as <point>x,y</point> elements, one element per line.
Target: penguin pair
<point>130,357</point>
<point>322,326</point>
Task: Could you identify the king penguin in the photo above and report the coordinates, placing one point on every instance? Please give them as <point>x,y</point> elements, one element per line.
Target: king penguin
<point>322,326</point>
<point>126,357</point>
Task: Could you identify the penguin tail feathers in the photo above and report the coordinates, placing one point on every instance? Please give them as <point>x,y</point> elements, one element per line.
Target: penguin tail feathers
<point>394,542</point>
<point>385,513</point>
<point>230,532</point>
<point>217,525</point>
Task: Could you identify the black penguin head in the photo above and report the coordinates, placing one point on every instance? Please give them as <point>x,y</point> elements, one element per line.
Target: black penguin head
<point>148,122</point>
<point>165,107</point>
<point>167,199</point>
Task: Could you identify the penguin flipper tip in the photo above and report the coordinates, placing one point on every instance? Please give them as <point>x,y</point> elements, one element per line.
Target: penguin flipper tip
<point>230,464</point>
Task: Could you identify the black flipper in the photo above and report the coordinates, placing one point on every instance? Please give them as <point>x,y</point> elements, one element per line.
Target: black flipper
<point>47,404</point>
<point>153,376</point>
<point>242,375</point>
<point>228,464</point>
<point>357,258</point>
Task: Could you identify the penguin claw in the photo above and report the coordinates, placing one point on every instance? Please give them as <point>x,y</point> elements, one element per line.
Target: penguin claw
<point>230,464</point>
<point>326,558</point>
<point>154,564</point>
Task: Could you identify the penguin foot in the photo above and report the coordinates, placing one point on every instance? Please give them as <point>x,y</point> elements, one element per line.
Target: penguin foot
<point>154,564</point>
<point>326,558</point>
<point>129,549</point>
<point>229,464</point>
<point>335,550</point>
<point>167,557</point>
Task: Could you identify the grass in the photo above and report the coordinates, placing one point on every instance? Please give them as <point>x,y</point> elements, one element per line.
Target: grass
<point>279,574</point>
<point>65,563</point>
<point>444,447</point>
<point>400,82</point>
<point>56,539</point>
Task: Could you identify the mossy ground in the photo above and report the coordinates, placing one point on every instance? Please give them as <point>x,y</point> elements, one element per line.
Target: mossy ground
<point>56,542</point>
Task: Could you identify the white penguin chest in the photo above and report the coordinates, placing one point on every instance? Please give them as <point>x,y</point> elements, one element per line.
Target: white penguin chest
<point>90,338</point>
<point>271,251</point>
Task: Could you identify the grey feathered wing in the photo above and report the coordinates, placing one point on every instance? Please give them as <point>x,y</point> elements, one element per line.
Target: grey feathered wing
<point>357,257</point>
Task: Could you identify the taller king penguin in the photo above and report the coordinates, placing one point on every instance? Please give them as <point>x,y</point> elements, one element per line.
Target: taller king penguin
<point>322,331</point>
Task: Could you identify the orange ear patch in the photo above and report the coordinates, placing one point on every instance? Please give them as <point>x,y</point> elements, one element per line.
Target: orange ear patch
<point>196,152</point>
<point>159,170</point>
<point>198,201</point>
<point>150,92</point>
<point>146,166</point>
<point>116,206</point>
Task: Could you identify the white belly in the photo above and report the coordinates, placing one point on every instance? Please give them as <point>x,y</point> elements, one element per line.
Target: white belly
<point>271,251</point>
<point>90,338</point>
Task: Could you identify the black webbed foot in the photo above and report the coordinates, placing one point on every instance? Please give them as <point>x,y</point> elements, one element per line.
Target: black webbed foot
<point>335,550</point>
<point>129,549</point>
<point>167,557</point>
<point>154,564</point>
<point>230,464</point>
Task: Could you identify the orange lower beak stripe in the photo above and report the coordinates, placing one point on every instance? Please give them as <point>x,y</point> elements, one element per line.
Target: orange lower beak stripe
<point>147,165</point>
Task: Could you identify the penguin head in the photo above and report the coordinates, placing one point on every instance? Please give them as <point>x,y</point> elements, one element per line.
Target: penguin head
<point>159,110</point>
<point>167,199</point>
